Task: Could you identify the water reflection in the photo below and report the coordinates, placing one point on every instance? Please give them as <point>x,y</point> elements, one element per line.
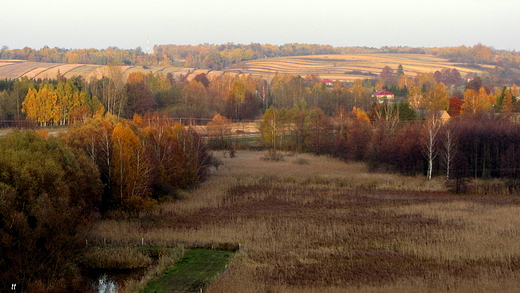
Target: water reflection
<point>106,285</point>
<point>111,281</point>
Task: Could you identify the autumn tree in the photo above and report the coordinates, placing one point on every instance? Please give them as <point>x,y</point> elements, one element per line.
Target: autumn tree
<point>202,78</point>
<point>360,115</point>
<point>437,98</point>
<point>73,104</point>
<point>358,135</point>
<point>455,106</point>
<point>141,160</point>
<point>425,81</point>
<point>477,101</point>
<point>407,156</point>
<point>505,101</point>
<point>416,98</point>
<point>194,101</point>
<point>130,169</point>
<point>95,138</point>
<point>360,95</point>
<point>448,76</point>
<point>41,106</point>
<point>319,132</point>
<point>139,98</point>
<point>56,104</point>
<point>274,127</point>
<point>219,131</point>
<point>388,75</point>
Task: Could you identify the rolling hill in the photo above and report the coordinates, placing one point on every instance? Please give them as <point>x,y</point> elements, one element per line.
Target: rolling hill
<point>335,67</point>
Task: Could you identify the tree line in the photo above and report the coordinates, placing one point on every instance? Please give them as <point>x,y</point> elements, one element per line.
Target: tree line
<point>222,56</point>
<point>472,145</point>
<point>64,101</point>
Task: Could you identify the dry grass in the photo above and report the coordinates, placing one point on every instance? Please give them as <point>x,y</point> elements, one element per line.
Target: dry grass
<point>115,258</point>
<point>482,232</point>
<point>328,226</point>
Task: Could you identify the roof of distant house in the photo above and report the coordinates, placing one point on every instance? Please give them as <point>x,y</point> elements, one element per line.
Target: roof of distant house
<point>383,93</point>
<point>326,80</point>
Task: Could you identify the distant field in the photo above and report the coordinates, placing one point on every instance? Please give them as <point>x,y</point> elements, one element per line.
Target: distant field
<point>335,67</point>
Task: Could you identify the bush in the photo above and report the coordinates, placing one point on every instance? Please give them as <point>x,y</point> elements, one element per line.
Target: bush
<point>301,161</point>
<point>273,156</point>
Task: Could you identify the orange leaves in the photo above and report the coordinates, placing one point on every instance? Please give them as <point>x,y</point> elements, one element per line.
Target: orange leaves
<point>142,159</point>
<point>361,115</point>
<point>136,77</point>
<point>130,168</point>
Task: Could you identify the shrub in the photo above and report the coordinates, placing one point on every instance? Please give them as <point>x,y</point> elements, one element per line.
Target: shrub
<point>301,161</point>
<point>273,155</point>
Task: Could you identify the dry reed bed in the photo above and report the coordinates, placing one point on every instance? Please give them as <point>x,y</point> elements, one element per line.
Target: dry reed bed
<point>327,226</point>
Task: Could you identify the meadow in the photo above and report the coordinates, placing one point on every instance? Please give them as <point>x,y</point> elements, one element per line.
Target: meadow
<point>316,224</point>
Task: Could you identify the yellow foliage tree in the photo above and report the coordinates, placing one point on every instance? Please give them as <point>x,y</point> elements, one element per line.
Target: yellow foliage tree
<point>415,97</point>
<point>474,101</point>
<point>130,168</point>
<point>437,98</point>
<point>507,103</point>
<point>361,115</point>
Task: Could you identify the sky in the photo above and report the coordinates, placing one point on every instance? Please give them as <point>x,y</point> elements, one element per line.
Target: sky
<point>374,23</point>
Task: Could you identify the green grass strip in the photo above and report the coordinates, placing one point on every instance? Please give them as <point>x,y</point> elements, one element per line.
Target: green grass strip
<point>193,272</point>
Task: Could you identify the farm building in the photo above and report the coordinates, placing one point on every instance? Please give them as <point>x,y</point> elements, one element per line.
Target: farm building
<point>444,116</point>
<point>383,95</point>
<point>327,82</point>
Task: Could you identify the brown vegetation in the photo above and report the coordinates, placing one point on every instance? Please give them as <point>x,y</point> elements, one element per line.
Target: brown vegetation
<point>327,226</point>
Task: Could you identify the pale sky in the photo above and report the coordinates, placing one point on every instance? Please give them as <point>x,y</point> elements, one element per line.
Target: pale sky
<point>374,23</point>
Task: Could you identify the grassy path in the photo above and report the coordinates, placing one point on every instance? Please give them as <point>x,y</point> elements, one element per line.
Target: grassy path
<point>192,273</point>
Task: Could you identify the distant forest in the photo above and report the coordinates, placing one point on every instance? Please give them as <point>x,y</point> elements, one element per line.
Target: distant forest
<point>223,56</point>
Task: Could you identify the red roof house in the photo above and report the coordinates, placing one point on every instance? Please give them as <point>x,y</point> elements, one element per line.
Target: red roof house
<point>327,81</point>
<point>383,95</point>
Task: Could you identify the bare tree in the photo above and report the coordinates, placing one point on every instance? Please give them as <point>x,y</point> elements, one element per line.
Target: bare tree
<point>431,131</point>
<point>112,90</point>
<point>449,147</point>
<point>387,116</point>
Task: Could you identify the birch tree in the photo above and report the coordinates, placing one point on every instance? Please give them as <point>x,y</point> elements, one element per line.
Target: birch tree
<point>449,147</point>
<point>431,131</point>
